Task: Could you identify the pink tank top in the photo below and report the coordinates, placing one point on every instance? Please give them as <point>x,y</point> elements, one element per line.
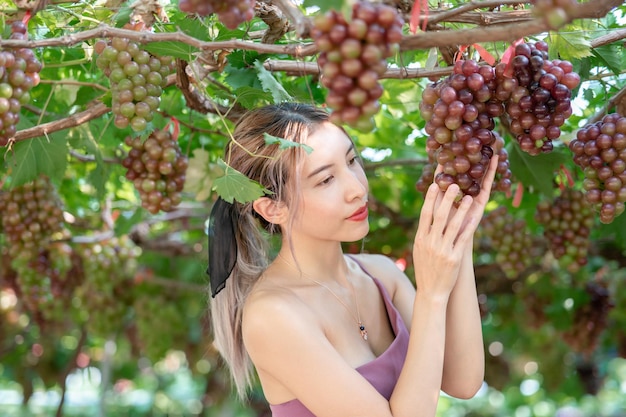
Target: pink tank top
<point>382,372</point>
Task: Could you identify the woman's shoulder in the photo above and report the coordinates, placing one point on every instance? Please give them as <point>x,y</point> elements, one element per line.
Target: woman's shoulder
<point>383,269</point>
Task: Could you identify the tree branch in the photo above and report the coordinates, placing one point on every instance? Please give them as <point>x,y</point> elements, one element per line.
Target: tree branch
<point>435,16</point>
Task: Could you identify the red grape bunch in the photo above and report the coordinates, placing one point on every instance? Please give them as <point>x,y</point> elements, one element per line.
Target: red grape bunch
<point>537,96</point>
<point>104,298</point>
<point>509,238</point>
<point>19,73</point>
<point>230,12</point>
<point>459,112</point>
<point>353,55</point>
<point>137,80</point>
<point>567,223</point>
<point>157,168</point>
<point>32,217</point>
<point>600,150</point>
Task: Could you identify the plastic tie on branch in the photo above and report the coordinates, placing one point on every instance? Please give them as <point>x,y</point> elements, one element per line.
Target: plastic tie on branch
<point>564,176</point>
<point>508,54</point>
<point>519,194</point>
<point>175,127</point>
<point>416,12</point>
<point>482,52</point>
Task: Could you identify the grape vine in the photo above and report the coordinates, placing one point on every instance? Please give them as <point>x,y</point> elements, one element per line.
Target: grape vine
<point>230,12</point>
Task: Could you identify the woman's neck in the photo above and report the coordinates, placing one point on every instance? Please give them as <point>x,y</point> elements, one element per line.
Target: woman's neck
<point>322,263</point>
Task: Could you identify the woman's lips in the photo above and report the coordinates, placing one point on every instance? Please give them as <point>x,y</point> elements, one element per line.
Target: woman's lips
<point>360,214</point>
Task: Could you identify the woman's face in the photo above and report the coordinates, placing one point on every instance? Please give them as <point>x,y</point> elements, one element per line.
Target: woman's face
<point>332,189</point>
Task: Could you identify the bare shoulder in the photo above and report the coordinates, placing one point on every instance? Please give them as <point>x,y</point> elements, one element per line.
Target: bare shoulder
<point>385,270</point>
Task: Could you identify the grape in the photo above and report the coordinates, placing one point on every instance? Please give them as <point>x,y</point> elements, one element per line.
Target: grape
<point>230,12</point>
<point>137,80</point>
<point>567,223</point>
<point>352,58</point>
<point>157,168</point>
<point>599,149</point>
<point>459,112</point>
<point>537,96</point>
<point>509,238</point>
<point>19,73</point>
<point>554,12</point>
<point>103,299</point>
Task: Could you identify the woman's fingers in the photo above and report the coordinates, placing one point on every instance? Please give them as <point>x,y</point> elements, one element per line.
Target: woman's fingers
<point>442,212</point>
<point>426,216</point>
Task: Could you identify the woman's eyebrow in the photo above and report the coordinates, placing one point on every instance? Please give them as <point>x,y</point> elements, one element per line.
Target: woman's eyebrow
<point>324,167</point>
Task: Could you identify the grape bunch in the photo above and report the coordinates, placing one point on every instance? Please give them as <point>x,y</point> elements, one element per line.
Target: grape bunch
<point>459,112</point>
<point>590,319</point>
<point>137,80</point>
<point>19,73</point>
<point>353,55</point>
<point>567,223</point>
<point>32,217</point>
<point>600,150</point>
<point>157,168</point>
<point>537,96</point>
<point>230,12</point>
<point>45,283</point>
<point>509,238</point>
<point>104,297</point>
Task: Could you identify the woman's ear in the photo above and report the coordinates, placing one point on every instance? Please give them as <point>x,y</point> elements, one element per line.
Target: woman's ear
<point>272,211</point>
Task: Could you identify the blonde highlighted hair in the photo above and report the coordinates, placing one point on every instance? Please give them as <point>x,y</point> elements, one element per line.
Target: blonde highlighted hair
<point>275,169</point>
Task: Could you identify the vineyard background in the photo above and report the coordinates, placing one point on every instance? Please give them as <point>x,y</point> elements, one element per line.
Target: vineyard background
<point>103,301</point>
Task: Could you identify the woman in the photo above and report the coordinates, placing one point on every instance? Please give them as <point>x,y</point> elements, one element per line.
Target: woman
<point>331,334</point>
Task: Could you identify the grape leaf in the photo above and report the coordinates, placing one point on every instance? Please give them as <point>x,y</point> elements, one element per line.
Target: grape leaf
<point>270,84</point>
<point>285,144</point>
<point>249,97</point>
<point>535,171</point>
<point>173,49</point>
<point>200,175</point>
<point>570,45</point>
<point>33,157</point>
<point>233,185</point>
<point>611,55</point>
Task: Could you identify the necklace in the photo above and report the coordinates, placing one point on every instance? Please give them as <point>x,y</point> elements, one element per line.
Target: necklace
<point>357,318</point>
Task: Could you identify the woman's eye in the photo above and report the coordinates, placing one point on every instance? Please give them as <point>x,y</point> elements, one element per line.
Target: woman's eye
<point>326,181</point>
<point>353,160</point>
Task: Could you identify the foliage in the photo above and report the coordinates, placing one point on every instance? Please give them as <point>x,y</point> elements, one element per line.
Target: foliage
<point>67,132</point>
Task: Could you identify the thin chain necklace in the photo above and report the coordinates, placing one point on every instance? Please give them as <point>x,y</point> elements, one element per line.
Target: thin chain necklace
<point>357,318</point>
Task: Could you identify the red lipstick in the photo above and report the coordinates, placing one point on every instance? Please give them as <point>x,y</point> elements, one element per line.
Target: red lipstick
<point>359,215</point>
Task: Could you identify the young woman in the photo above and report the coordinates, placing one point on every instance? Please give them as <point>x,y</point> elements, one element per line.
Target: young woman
<point>331,334</point>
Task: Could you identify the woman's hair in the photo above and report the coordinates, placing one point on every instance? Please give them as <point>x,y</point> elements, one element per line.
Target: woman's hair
<point>275,169</point>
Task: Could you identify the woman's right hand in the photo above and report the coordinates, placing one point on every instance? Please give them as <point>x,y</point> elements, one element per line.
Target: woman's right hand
<point>442,234</point>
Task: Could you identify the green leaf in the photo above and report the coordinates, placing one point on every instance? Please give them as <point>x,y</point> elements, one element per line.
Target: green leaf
<point>33,157</point>
<point>611,55</point>
<point>172,48</point>
<point>284,143</point>
<point>66,93</point>
<point>233,185</point>
<point>270,84</point>
<point>249,97</point>
<point>537,171</point>
<point>200,175</point>
<point>570,45</point>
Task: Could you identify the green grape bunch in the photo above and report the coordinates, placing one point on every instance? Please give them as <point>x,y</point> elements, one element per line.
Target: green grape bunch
<point>19,73</point>
<point>137,80</point>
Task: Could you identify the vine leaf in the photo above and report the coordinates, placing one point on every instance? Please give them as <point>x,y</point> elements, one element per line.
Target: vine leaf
<point>611,56</point>
<point>284,143</point>
<point>570,45</point>
<point>270,84</point>
<point>172,48</point>
<point>233,185</point>
<point>535,171</point>
<point>40,155</point>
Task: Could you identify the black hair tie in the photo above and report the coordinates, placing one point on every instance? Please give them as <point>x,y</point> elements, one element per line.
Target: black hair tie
<point>222,244</point>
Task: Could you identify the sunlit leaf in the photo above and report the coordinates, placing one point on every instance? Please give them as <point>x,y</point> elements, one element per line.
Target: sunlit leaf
<point>570,45</point>
<point>200,175</point>
<point>233,185</point>
<point>536,171</point>
<point>41,155</point>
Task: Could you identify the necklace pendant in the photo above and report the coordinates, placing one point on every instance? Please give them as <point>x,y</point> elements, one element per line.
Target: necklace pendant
<point>363,331</point>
